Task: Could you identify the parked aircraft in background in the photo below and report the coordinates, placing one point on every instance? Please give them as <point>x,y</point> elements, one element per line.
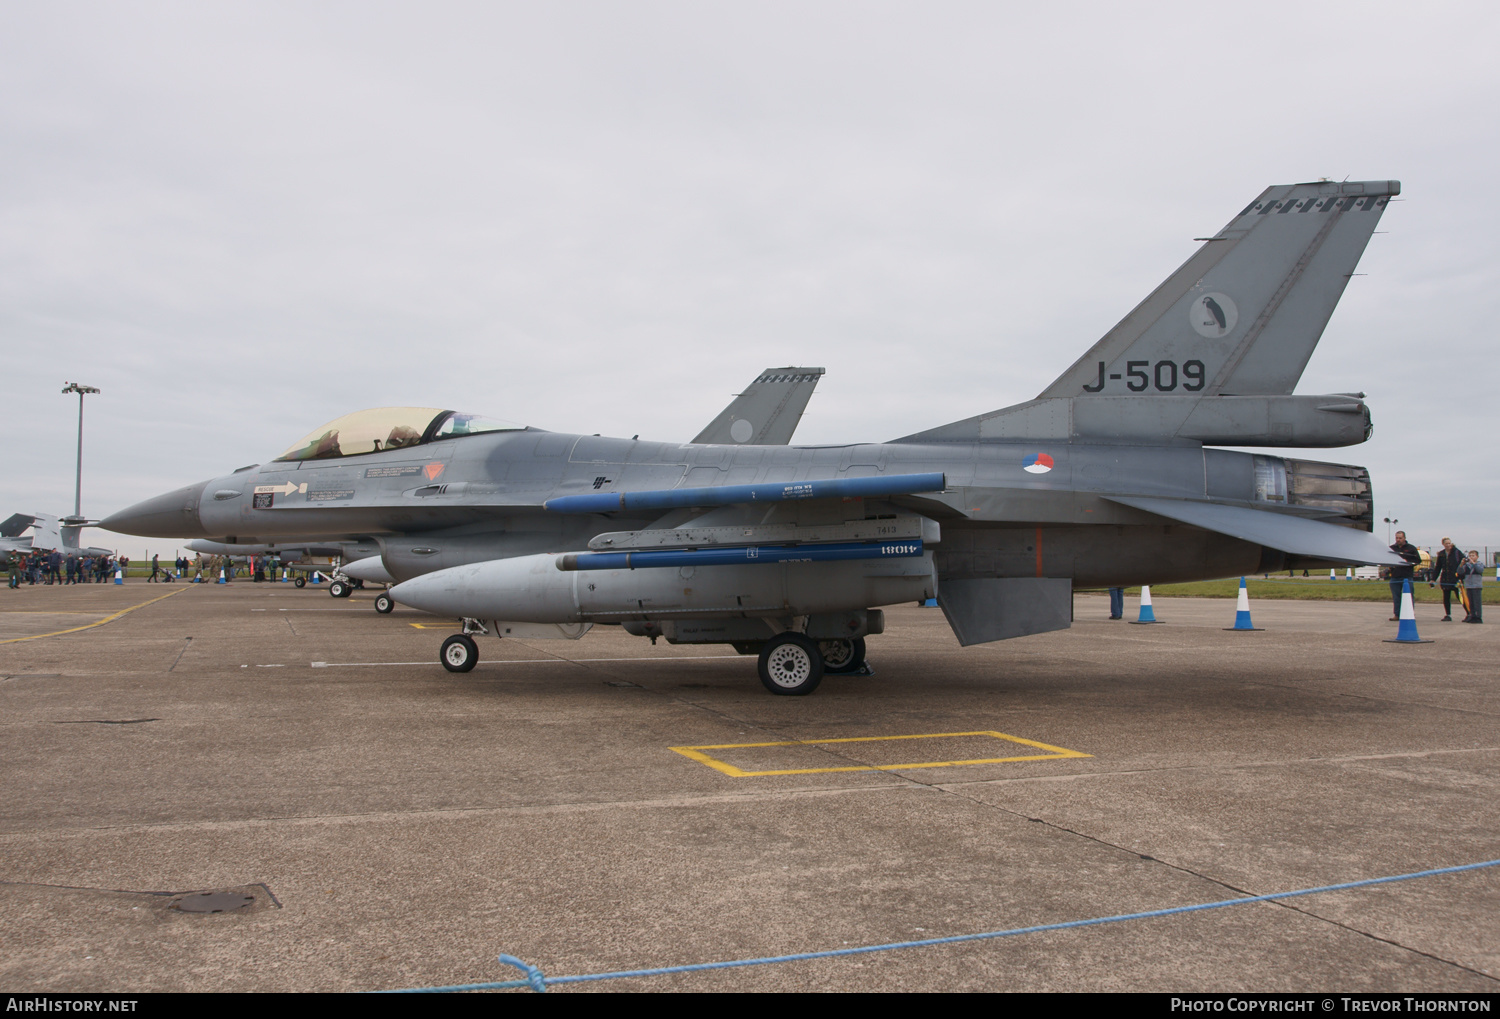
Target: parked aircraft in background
<point>48,534</point>
<point>1107,478</point>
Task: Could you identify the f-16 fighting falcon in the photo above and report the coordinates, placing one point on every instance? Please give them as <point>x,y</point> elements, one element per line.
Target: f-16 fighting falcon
<point>1107,478</point>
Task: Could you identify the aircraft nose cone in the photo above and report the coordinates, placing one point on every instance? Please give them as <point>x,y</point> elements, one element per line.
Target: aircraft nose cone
<point>442,592</point>
<point>371,569</point>
<point>421,593</point>
<point>174,515</point>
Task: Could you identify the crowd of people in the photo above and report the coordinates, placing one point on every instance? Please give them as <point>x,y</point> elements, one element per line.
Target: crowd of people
<point>45,568</point>
<point>57,568</point>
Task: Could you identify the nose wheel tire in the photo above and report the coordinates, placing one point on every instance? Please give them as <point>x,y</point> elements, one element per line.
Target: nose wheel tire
<point>384,603</point>
<point>791,665</point>
<point>841,657</point>
<point>459,653</point>
<point>339,589</point>
<point>300,582</point>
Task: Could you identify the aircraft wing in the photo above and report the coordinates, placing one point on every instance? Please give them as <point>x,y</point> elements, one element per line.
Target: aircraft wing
<point>1295,535</point>
<point>767,412</point>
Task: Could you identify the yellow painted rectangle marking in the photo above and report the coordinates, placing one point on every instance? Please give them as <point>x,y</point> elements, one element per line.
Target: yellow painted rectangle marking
<point>697,754</point>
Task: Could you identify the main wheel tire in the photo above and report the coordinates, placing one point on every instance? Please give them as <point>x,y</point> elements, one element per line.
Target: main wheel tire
<point>791,665</point>
<point>384,603</point>
<point>300,582</point>
<point>339,589</point>
<point>459,653</point>
<point>842,656</point>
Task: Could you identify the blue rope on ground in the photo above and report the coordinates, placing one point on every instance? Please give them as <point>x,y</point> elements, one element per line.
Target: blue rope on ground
<point>538,982</point>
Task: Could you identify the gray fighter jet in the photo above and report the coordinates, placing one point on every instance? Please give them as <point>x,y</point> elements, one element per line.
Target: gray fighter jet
<point>1107,478</point>
<point>766,413</point>
<point>48,534</point>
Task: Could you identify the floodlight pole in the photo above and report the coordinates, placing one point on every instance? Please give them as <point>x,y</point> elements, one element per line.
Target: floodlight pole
<point>77,518</point>
<point>1388,522</point>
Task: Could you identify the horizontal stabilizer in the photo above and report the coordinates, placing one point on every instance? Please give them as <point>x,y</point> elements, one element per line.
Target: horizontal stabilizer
<point>767,412</point>
<point>1293,535</point>
<point>989,609</point>
<point>730,495</point>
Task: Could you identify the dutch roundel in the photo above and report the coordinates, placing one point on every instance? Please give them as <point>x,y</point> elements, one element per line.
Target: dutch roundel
<point>1037,463</point>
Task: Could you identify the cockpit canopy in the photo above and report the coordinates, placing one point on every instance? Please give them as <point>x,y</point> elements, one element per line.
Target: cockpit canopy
<point>371,431</point>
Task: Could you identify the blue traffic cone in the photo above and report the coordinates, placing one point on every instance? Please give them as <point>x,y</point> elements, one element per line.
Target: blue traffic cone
<point>1147,616</point>
<point>1242,611</point>
<point>119,575</point>
<point>930,603</point>
<point>1406,629</point>
<point>221,575</point>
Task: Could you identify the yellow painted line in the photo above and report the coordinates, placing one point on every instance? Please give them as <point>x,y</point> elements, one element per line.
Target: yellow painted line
<point>697,754</point>
<point>45,612</point>
<point>90,626</point>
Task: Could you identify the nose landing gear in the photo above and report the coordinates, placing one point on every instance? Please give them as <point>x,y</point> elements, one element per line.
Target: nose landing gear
<point>459,652</point>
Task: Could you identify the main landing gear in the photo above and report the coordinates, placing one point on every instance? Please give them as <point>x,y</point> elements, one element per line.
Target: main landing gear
<point>793,665</point>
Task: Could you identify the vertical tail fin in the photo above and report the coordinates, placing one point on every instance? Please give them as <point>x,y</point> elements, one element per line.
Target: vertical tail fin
<point>1237,322</point>
<point>47,533</point>
<point>1242,316</point>
<point>15,524</point>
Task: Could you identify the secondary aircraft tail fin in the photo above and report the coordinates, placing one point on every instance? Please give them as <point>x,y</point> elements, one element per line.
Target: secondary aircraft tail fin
<point>1213,354</point>
<point>48,533</point>
<point>767,412</point>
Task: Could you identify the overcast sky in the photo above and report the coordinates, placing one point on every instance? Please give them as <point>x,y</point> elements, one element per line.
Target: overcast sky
<point>242,220</point>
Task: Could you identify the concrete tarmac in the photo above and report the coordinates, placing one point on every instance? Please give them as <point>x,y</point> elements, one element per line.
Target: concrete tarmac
<point>389,824</point>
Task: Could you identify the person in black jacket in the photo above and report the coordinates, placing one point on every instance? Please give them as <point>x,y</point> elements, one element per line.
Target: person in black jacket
<point>1445,572</point>
<point>1401,574</point>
